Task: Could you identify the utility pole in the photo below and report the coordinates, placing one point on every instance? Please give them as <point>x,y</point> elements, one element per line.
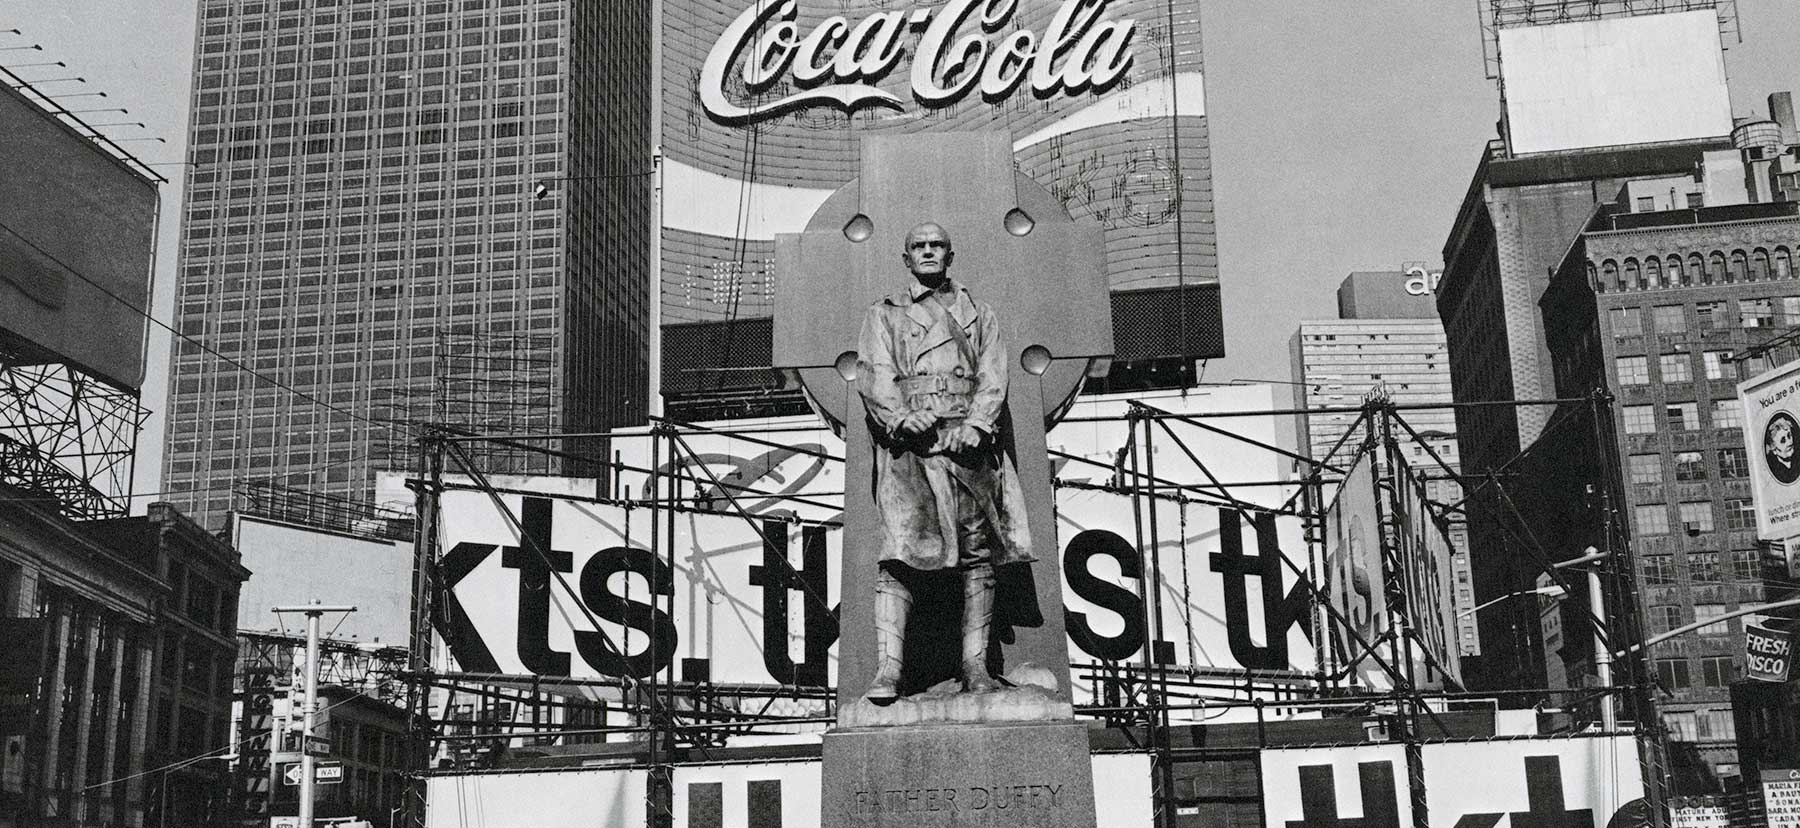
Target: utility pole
<point>312,612</point>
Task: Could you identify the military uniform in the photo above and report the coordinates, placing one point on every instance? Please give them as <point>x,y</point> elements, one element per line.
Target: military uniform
<point>938,507</point>
<point>943,354</point>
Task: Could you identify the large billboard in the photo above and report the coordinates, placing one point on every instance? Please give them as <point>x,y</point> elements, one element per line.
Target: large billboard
<point>77,240</point>
<point>1612,81</point>
<point>291,565</point>
<point>765,101</point>
<point>1579,780</point>
<point>745,587</point>
<point>1772,428</point>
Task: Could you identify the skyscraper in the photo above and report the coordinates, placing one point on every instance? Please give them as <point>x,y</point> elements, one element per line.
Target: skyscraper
<point>402,211</point>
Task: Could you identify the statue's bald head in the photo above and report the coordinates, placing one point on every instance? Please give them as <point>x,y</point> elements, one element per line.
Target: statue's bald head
<point>927,253</point>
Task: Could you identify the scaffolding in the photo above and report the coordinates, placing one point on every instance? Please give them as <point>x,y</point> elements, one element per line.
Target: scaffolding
<point>1148,696</point>
<point>66,434</point>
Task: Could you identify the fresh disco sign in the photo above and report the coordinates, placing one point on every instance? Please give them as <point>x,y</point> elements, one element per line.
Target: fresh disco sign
<point>960,48</point>
<point>1768,654</point>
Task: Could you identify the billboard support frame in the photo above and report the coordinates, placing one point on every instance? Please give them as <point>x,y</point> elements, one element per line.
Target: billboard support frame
<point>1143,699</point>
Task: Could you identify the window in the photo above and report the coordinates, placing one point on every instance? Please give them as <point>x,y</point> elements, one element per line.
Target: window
<point>1739,513</point>
<point>1711,612</point>
<point>1664,617</point>
<point>1690,465</point>
<point>1790,310</point>
<point>1703,567</point>
<point>1627,322</point>
<point>1727,414</point>
<point>1650,519</point>
<point>1746,565</point>
<point>1647,468</point>
<point>1645,204</point>
<point>1715,364</point>
<point>1681,416</point>
<point>1697,516</point>
<point>1710,316</point>
<point>1659,570</point>
<point>1672,673</point>
<point>1640,419</point>
<point>1757,313</point>
<point>1670,319</point>
<point>1633,370</point>
<point>1675,368</point>
<point>1734,463</point>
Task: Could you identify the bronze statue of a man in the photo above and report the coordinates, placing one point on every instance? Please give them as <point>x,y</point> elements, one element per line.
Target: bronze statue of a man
<point>932,375</point>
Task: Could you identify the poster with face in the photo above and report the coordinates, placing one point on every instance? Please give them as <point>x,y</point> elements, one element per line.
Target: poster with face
<point>1772,434</point>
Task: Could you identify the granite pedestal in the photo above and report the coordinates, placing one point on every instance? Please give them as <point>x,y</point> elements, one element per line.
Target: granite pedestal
<point>1006,775</point>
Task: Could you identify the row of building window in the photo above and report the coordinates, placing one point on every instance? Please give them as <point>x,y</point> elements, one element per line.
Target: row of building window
<point>1703,568</point>
<point>1708,316</point>
<point>1715,671</point>
<point>1653,272</point>
<point>1679,416</point>
<point>1690,466</point>
<point>1696,516</point>
<point>1666,617</point>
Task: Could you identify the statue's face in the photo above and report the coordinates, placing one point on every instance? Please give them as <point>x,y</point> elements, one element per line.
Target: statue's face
<point>927,254</point>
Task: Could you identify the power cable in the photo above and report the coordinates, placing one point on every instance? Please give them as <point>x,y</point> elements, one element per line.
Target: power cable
<point>193,341</point>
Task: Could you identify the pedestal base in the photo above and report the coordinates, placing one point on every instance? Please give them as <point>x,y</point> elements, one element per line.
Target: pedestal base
<point>991,776</point>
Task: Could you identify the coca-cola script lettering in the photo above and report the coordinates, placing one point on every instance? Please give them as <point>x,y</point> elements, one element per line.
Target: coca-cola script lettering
<point>959,50</point>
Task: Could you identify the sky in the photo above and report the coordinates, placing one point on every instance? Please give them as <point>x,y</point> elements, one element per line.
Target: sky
<point>1344,136</point>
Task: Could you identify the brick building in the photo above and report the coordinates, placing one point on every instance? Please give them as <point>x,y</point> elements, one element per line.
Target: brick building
<point>1650,304</point>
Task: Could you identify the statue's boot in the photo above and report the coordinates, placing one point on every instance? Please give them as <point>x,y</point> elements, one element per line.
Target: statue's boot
<point>978,622</point>
<point>893,601</point>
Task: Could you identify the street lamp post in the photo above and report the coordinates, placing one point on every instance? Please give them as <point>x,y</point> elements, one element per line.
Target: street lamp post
<point>313,612</point>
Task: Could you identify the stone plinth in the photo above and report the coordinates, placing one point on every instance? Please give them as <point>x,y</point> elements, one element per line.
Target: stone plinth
<point>1028,775</point>
<point>1012,704</point>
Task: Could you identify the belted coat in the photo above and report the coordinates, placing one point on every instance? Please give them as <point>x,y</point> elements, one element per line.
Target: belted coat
<point>917,484</point>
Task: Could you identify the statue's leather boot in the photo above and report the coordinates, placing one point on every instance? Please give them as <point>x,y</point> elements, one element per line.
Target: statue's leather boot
<point>978,622</point>
<point>893,601</point>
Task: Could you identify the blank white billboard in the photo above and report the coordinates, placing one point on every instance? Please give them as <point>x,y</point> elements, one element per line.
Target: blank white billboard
<point>291,564</point>
<point>1623,80</point>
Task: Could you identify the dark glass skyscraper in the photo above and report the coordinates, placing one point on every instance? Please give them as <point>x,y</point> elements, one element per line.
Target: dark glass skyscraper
<point>402,211</point>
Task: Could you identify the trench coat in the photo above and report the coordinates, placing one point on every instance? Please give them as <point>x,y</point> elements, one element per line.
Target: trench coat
<point>915,492</point>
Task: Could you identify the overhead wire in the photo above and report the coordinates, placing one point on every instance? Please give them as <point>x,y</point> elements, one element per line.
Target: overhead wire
<point>108,292</point>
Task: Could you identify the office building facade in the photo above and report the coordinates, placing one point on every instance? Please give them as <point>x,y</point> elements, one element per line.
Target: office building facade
<point>402,212</point>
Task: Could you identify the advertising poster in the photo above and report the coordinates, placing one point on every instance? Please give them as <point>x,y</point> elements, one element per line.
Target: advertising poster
<point>1772,435</point>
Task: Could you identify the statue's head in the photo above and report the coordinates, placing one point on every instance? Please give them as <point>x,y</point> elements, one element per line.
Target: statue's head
<point>927,254</point>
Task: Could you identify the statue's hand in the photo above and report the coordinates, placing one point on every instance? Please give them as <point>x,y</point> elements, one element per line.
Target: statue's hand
<point>916,422</point>
<point>964,438</point>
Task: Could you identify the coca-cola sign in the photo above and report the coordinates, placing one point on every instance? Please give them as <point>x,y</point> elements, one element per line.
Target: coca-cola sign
<point>959,49</point>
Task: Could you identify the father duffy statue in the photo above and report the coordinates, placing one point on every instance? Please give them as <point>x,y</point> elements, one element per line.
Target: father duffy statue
<point>932,375</point>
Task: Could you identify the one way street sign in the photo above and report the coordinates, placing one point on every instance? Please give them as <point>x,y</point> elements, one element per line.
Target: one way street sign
<point>324,773</point>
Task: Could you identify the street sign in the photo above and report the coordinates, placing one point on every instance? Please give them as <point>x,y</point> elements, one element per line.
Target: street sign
<point>324,773</point>
<point>318,746</point>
